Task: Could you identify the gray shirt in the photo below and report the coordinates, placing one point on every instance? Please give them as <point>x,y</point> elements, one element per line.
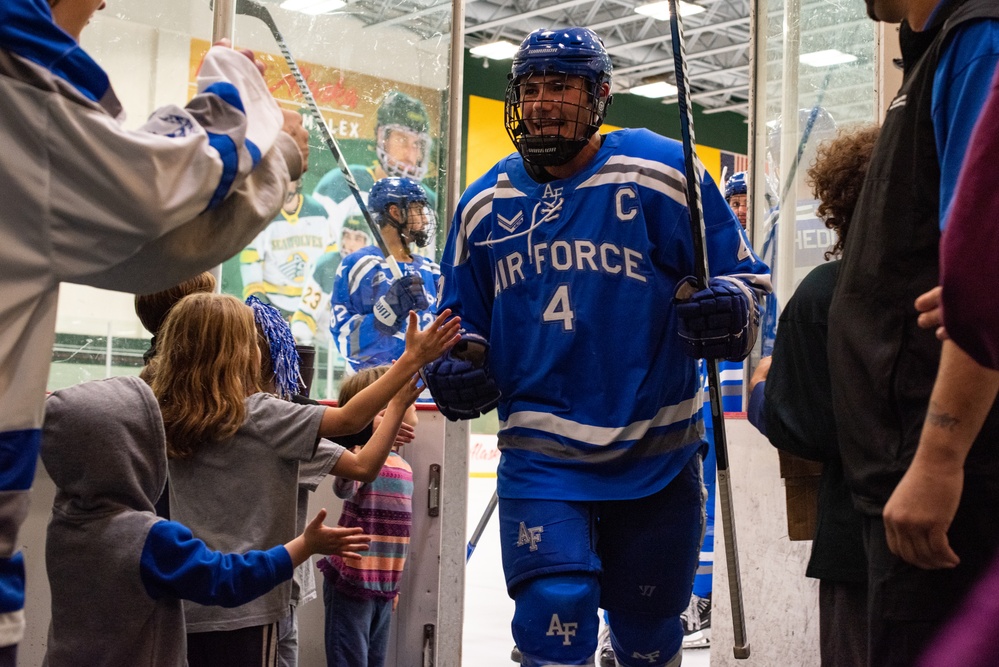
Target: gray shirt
<point>310,475</point>
<point>242,493</point>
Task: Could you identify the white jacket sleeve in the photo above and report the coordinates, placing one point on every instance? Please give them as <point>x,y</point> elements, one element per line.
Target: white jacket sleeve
<point>114,191</point>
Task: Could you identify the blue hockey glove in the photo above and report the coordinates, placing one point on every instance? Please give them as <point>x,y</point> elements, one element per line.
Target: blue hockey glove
<point>460,380</point>
<point>719,322</point>
<point>404,295</point>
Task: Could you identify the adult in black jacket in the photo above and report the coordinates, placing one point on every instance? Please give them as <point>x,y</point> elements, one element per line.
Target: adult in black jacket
<point>939,533</point>
<point>792,406</point>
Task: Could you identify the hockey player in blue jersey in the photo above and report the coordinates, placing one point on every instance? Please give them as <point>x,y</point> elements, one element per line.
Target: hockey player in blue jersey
<point>369,307</point>
<point>564,261</point>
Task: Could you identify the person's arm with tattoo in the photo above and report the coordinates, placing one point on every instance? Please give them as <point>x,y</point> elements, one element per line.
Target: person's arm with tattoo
<point>924,503</point>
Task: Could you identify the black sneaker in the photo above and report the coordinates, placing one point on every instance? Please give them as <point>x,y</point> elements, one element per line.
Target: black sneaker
<point>515,655</point>
<point>696,620</point>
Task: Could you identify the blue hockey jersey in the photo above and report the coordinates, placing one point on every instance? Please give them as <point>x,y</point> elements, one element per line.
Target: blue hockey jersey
<point>362,278</point>
<point>572,283</point>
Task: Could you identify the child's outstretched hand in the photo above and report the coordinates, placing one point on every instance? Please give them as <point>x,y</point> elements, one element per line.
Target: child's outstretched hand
<point>406,396</point>
<point>439,337</point>
<point>343,542</point>
<point>406,432</point>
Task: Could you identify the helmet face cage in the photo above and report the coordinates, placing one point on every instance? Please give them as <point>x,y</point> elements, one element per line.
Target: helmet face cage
<point>555,100</point>
<point>394,166</point>
<point>418,223</point>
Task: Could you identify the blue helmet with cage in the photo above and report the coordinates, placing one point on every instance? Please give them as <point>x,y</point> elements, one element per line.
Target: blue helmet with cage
<point>735,185</point>
<point>548,117</point>
<point>416,222</point>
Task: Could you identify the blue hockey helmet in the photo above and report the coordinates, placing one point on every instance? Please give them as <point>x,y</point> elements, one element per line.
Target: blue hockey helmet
<point>572,52</point>
<point>735,185</point>
<point>417,221</point>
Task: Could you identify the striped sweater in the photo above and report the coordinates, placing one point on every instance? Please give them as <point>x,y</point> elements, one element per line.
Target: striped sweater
<point>384,509</point>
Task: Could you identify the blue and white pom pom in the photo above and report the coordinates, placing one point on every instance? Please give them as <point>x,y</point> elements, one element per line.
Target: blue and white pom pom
<point>284,356</point>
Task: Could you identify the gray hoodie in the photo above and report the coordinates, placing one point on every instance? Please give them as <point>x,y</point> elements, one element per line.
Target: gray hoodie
<point>117,571</point>
<point>104,446</point>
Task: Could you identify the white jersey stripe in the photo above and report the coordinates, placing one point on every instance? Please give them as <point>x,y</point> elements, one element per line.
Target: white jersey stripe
<point>654,175</point>
<point>361,269</point>
<point>600,436</point>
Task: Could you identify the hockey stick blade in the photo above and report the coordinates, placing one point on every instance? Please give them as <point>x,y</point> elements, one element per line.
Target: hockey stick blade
<point>741,644</point>
<point>260,12</point>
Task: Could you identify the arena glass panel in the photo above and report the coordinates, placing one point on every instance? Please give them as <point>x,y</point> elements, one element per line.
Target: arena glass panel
<point>353,58</point>
<point>815,66</point>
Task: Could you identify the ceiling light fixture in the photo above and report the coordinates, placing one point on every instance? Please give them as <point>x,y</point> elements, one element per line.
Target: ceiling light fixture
<point>657,89</point>
<point>826,58</point>
<point>312,7</point>
<point>660,10</point>
<point>501,50</point>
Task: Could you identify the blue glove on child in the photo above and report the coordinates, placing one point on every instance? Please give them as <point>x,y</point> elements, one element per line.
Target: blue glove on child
<point>718,322</point>
<point>460,380</point>
<point>404,295</point>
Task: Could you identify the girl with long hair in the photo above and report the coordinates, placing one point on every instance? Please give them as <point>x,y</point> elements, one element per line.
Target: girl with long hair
<point>235,451</point>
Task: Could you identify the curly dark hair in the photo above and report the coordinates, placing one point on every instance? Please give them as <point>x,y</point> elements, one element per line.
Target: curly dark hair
<point>837,175</point>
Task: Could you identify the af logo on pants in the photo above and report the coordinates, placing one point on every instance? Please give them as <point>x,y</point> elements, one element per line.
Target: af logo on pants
<point>530,536</point>
<point>566,630</point>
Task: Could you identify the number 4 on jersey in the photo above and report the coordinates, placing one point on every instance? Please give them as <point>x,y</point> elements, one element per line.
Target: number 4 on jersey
<point>559,309</point>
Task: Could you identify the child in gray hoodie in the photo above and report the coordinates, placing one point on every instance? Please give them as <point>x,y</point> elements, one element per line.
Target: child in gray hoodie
<point>117,571</point>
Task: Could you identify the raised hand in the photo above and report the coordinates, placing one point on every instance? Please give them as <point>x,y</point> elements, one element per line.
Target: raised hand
<point>343,542</point>
<point>430,343</point>
<point>406,396</point>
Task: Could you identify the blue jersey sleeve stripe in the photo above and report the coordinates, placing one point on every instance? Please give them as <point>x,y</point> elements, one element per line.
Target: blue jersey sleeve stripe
<point>254,151</point>
<point>228,92</point>
<point>18,458</point>
<point>12,583</point>
<point>229,154</point>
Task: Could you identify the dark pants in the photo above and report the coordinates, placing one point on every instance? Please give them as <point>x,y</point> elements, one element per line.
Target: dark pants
<point>357,630</point>
<point>908,605</point>
<point>843,623</point>
<point>246,647</point>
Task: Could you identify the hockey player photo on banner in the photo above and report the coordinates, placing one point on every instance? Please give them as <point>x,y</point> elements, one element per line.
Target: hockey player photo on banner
<point>384,129</point>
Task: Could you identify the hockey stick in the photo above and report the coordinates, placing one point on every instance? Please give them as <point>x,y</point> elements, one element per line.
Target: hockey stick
<point>258,11</point>
<point>473,541</point>
<point>741,647</point>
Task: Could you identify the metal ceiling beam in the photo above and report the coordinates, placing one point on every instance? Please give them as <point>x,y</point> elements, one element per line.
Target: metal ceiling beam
<point>719,91</point>
<point>513,18</point>
<point>662,39</point>
<point>668,62</point>
<point>729,107</point>
<point>403,18</point>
